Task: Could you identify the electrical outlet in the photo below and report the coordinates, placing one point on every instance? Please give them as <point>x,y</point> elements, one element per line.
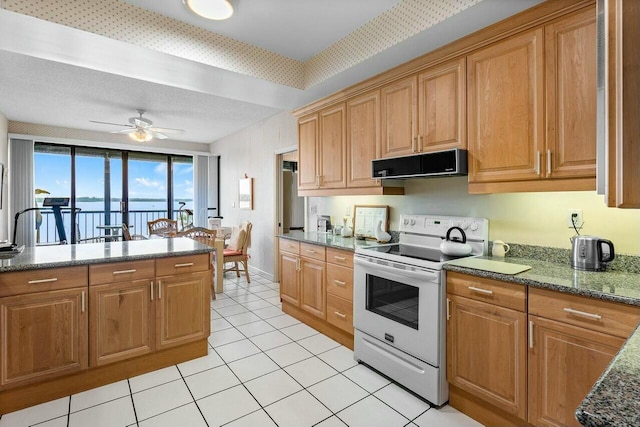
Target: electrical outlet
<point>313,209</point>
<point>347,211</point>
<point>578,219</point>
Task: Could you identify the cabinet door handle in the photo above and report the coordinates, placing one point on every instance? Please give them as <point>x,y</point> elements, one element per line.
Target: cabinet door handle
<point>159,289</point>
<point>124,271</point>
<point>582,313</point>
<point>339,258</point>
<point>82,301</point>
<point>339,282</point>
<point>530,333</point>
<point>420,143</point>
<point>480,290</point>
<point>151,282</point>
<point>185,264</point>
<point>538,160</point>
<point>32,282</point>
<point>340,315</point>
<point>413,144</point>
<point>311,251</point>
<point>548,162</point>
<point>448,309</point>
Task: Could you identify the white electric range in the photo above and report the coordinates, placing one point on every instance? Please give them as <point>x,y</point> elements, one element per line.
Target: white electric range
<point>399,300</point>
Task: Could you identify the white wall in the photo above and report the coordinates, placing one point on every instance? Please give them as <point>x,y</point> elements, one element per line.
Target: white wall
<point>252,152</point>
<point>4,159</point>
<point>528,218</point>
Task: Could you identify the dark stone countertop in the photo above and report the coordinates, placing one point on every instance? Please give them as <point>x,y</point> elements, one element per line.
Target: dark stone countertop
<point>616,286</point>
<point>328,240</point>
<point>40,257</point>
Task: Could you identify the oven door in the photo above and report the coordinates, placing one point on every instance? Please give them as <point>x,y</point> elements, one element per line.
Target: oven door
<point>398,304</point>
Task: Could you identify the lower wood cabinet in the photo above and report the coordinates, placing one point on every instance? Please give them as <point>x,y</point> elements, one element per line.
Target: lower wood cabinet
<point>289,278</point>
<point>487,353</point>
<point>43,335</point>
<point>564,363</point>
<point>122,319</point>
<point>312,287</point>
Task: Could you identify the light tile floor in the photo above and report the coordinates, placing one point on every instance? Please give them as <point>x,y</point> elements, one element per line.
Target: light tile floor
<point>264,369</point>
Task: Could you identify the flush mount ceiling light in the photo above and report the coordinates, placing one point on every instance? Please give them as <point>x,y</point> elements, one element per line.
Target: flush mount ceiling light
<point>210,9</point>
<point>141,135</point>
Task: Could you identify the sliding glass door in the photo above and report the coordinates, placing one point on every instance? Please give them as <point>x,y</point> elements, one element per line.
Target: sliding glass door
<point>108,188</point>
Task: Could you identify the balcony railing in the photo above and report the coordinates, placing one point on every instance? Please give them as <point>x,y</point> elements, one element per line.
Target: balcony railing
<point>88,221</point>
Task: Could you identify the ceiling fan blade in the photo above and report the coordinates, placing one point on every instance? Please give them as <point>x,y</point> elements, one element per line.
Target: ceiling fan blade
<point>124,131</point>
<point>166,130</point>
<point>158,135</point>
<point>109,123</point>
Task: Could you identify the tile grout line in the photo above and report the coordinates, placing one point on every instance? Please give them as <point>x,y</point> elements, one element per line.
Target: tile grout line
<point>68,412</point>
<point>192,397</point>
<point>133,403</point>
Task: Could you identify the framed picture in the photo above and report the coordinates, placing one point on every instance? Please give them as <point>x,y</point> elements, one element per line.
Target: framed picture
<point>366,218</point>
<point>245,194</point>
<point>1,185</point>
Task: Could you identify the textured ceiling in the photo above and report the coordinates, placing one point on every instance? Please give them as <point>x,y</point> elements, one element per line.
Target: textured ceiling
<point>81,60</point>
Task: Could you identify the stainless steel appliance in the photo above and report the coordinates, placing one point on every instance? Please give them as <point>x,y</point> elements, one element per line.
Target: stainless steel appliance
<point>399,302</point>
<point>591,253</point>
<point>434,164</point>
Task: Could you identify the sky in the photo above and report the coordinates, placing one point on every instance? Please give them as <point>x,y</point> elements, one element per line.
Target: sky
<point>147,179</point>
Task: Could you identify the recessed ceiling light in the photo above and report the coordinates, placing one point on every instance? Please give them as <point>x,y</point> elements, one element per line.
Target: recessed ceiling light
<point>210,9</point>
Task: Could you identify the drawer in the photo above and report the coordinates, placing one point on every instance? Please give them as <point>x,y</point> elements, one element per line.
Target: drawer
<point>338,257</point>
<point>50,279</point>
<point>290,246</point>
<point>312,251</point>
<point>182,264</point>
<point>340,281</point>
<point>505,294</point>
<point>601,316</point>
<point>121,272</point>
<point>340,313</point>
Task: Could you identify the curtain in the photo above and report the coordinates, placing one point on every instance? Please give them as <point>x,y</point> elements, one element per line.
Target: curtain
<point>201,191</point>
<point>21,191</point>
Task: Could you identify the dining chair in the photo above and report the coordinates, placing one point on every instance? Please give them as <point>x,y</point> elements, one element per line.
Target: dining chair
<point>207,237</point>
<point>163,226</point>
<point>126,234</point>
<point>236,252</point>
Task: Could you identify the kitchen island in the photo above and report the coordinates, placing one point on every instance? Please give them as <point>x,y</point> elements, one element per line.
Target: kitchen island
<point>75,317</point>
<point>589,316</point>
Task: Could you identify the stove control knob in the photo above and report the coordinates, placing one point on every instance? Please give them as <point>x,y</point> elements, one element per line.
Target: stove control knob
<point>474,226</point>
<point>406,221</point>
<point>464,225</point>
<point>413,221</point>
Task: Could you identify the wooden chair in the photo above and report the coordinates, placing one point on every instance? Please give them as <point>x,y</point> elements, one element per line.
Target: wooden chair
<point>240,255</point>
<point>206,237</point>
<point>163,226</point>
<point>126,234</point>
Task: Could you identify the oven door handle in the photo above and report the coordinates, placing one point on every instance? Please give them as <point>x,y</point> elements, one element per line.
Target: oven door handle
<point>422,275</point>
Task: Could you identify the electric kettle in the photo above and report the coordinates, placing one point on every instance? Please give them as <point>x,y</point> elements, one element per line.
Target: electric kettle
<point>591,253</point>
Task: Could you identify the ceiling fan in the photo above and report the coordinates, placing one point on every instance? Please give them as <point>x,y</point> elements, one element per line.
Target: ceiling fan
<point>141,129</point>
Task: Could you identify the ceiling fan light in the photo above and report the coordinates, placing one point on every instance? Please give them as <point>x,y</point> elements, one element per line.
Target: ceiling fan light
<point>217,10</point>
<point>141,136</point>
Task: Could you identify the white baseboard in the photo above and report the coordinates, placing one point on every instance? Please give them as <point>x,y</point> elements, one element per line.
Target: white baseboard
<point>261,272</point>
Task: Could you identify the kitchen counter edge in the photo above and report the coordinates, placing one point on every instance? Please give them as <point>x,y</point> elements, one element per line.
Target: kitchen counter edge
<point>87,254</point>
<point>328,240</point>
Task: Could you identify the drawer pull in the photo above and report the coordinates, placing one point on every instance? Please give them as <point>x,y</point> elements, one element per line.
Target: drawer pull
<point>340,315</point>
<point>530,333</point>
<point>480,290</point>
<point>53,279</point>
<point>340,283</point>
<point>311,251</point>
<point>124,271</point>
<point>83,301</point>
<point>339,258</point>
<point>185,264</point>
<point>582,313</point>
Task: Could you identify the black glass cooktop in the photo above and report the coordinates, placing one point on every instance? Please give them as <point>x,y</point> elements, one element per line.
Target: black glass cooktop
<point>418,252</point>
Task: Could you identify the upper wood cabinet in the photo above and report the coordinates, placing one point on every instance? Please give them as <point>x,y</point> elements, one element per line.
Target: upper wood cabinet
<point>363,138</point>
<point>442,107</point>
<point>332,148</point>
<point>506,127</point>
<point>399,117</point>
<point>308,152</point>
<point>570,58</point>
<point>426,112</point>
